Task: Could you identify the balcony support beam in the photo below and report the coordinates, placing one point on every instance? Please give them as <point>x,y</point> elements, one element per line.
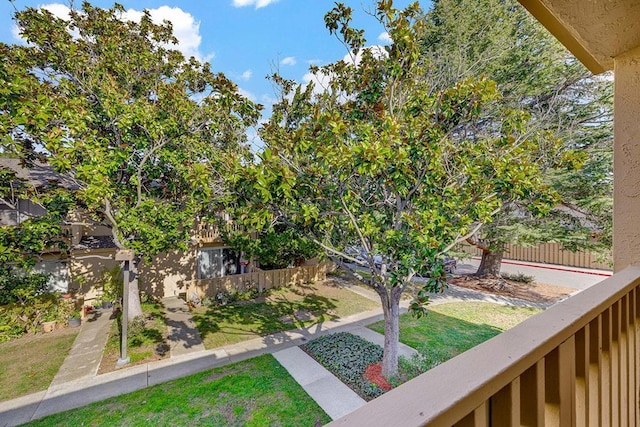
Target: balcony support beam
<point>626,165</point>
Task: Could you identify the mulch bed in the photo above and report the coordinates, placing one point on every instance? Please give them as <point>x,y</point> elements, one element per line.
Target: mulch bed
<point>373,373</point>
<point>533,292</point>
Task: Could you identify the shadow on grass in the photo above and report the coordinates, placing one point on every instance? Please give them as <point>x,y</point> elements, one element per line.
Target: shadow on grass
<point>283,310</point>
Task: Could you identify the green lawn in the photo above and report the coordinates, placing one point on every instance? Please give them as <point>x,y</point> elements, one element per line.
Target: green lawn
<point>28,364</point>
<point>146,340</point>
<point>452,328</point>
<point>255,392</point>
<point>228,324</point>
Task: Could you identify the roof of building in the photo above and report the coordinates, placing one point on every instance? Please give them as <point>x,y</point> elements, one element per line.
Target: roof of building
<point>39,174</point>
<point>94,242</point>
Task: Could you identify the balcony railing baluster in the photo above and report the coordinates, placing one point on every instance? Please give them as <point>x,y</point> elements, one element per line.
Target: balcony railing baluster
<point>577,364</point>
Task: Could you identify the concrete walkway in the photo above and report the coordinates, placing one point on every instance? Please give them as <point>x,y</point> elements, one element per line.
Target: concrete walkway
<point>558,275</point>
<point>184,337</point>
<point>335,398</point>
<point>89,389</point>
<point>187,357</point>
<point>86,353</point>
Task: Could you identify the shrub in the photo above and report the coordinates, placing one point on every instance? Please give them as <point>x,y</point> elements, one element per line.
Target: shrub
<point>418,364</point>
<point>249,293</point>
<point>136,331</point>
<point>16,287</point>
<point>17,319</point>
<point>347,357</point>
<point>112,284</point>
<point>518,277</point>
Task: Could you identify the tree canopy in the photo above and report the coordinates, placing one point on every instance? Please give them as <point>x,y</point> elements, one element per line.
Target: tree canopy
<point>147,134</point>
<point>382,160</point>
<point>571,117</point>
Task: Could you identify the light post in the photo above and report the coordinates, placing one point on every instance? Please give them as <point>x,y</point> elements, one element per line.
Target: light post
<point>126,256</point>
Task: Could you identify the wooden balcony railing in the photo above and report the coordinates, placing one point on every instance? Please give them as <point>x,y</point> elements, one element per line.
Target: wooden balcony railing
<point>576,364</point>
<point>210,233</point>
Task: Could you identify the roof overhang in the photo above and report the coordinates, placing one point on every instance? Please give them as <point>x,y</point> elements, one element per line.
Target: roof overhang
<point>595,31</point>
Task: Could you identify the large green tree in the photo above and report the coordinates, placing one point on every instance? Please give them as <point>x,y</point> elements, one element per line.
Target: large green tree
<point>147,134</point>
<point>376,160</point>
<point>571,116</point>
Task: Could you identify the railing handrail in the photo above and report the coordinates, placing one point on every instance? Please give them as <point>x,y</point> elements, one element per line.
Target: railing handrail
<point>444,394</point>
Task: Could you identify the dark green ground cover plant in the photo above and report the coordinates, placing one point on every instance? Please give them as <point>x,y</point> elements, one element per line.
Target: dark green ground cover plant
<point>347,357</point>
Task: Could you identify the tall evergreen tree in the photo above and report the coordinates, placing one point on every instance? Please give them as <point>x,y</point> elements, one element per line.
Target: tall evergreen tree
<point>571,119</point>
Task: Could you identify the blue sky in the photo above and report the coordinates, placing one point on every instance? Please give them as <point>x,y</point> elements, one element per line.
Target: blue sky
<point>245,39</point>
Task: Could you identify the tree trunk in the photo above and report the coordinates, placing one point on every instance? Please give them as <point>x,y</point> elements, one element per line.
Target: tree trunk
<point>391,308</point>
<point>135,308</point>
<point>490,263</point>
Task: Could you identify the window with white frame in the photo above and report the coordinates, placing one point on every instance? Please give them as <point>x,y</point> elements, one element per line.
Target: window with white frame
<point>217,262</point>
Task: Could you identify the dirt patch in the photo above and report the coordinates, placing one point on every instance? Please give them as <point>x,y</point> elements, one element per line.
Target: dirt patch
<point>534,292</point>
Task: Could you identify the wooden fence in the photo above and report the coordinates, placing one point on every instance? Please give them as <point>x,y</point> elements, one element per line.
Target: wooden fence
<point>550,253</point>
<point>261,280</point>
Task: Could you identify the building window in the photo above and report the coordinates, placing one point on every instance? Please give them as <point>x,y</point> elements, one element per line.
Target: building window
<point>217,262</point>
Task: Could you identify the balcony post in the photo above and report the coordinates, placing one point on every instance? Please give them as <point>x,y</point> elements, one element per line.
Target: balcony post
<point>626,200</point>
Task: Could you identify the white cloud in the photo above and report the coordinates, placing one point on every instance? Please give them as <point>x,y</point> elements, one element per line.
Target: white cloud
<point>385,38</point>
<point>57,9</point>
<point>15,32</point>
<point>321,80</point>
<point>185,28</point>
<point>377,51</point>
<point>258,3</point>
<point>250,96</point>
<point>289,60</point>
<point>246,75</point>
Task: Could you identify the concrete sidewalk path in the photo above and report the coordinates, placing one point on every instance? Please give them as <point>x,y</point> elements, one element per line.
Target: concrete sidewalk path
<point>558,275</point>
<point>89,389</point>
<point>184,337</point>
<point>335,398</point>
<point>376,338</point>
<point>85,355</point>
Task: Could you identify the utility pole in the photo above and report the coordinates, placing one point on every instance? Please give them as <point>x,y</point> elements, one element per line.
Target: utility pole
<point>126,256</point>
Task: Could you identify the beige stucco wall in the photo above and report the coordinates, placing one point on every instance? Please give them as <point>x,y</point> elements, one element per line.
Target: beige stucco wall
<point>165,276</point>
<point>87,268</point>
<point>168,273</point>
<point>626,165</point>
